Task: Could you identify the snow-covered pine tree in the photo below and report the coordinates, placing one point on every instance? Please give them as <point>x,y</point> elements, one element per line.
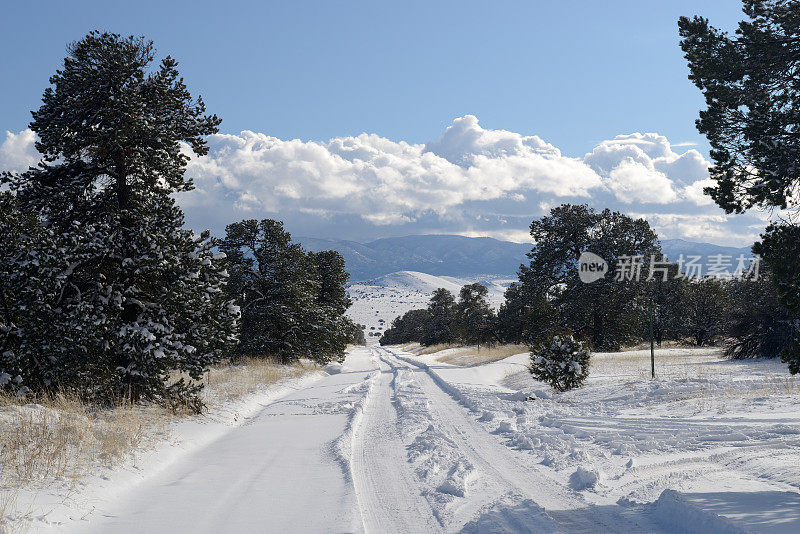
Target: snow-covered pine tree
<point>118,295</point>
<point>441,324</point>
<point>474,316</point>
<point>18,230</point>
<point>332,330</point>
<point>562,362</point>
<point>275,284</point>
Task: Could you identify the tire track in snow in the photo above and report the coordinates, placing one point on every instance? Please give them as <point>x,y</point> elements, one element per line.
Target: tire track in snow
<point>387,493</point>
<point>520,488</point>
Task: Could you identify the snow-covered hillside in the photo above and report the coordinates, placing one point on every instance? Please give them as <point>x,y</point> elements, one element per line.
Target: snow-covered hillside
<point>378,301</point>
<point>436,254</point>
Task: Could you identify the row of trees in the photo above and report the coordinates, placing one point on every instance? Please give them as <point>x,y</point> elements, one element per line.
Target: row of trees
<point>549,299</point>
<point>103,292</point>
<point>469,320</point>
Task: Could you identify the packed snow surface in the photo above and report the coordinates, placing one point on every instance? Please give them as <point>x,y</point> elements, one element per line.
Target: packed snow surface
<point>393,442</point>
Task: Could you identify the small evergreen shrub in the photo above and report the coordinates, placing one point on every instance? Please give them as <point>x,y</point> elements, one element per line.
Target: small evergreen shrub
<point>562,362</point>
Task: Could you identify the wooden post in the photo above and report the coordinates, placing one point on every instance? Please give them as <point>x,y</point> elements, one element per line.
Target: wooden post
<point>652,347</point>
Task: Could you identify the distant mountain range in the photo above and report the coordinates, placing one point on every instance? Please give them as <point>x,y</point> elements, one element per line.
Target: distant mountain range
<point>449,255</point>
<point>673,248</point>
<point>459,256</point>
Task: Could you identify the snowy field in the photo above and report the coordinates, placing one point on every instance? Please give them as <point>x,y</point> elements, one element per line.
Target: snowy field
<point>393,442</point>
<point>723,436</point>
<point>378,301</point>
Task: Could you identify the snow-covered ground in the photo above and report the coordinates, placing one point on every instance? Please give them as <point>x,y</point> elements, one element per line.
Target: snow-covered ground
<point>378,301</point>
<point>723,437</point>
<point>56,505</point>
<point>393,442</point>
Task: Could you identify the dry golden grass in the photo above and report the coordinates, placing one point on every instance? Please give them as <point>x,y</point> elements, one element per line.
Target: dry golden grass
<point>248,375</point>
<point>666,344</point>
<point>435,348</point>
<point>480,355</point>
<point>58,436</point>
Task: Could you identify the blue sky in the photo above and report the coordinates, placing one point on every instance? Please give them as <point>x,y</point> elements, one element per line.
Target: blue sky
<point>575,74</point>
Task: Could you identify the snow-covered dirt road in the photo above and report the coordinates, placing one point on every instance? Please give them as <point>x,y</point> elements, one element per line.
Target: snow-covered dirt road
<point>286,469</point>
<point>399,443</point>
<point>471,480</point>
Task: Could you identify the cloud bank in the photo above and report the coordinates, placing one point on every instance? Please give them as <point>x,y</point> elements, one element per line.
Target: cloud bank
<point>472,181</point>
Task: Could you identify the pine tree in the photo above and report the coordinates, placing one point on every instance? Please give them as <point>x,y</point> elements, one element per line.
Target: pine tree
<point>293,303</point>
<point>750,83</point>
<point>780,249</point>
<point>440,326</point>
<point>669,294</point>
<point>118,295</point>
<point>18,232</point>
<point>330,269</point>
<point>751,88</point>
<point>333,330</point>
<point>562,362</point>
<point>275,284</point>
<point>758,326</point>
<point>523,316</point>
<point>407,328</point>
<point>474,316</point>
<point>705,308</point>
<point>603,312</point>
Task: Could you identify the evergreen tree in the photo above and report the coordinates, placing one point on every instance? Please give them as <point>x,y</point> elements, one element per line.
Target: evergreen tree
<point>275,284</point>
<point>474,316</point>
<point>750,83</point>
<point>333,331</point>
<point>752,93</point>
<point>705,310</point>
<point>669,294</point>
<point>759,326</point>
<point>293,303</point>
<point>780,249</point>
<point>356,334</point>
<point>330,269</point>
<point>408,328</point>
<point>523,316</point>
<point>18,232</point>
<point>118,295</point>
<point>440,325</point>
<point>607,313</point>
<point>562,362</point>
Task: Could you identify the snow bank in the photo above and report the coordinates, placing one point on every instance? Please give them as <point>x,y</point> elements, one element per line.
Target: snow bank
<point>333,368</point>
<point>584,478</point>
<point>680,516</point>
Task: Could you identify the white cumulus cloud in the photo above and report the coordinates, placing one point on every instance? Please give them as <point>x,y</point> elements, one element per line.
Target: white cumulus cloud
<point>470,180</point>
<point>648,164</point>
<point>17,151</point>
<point>383,181</point>
<point>633,181</point>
